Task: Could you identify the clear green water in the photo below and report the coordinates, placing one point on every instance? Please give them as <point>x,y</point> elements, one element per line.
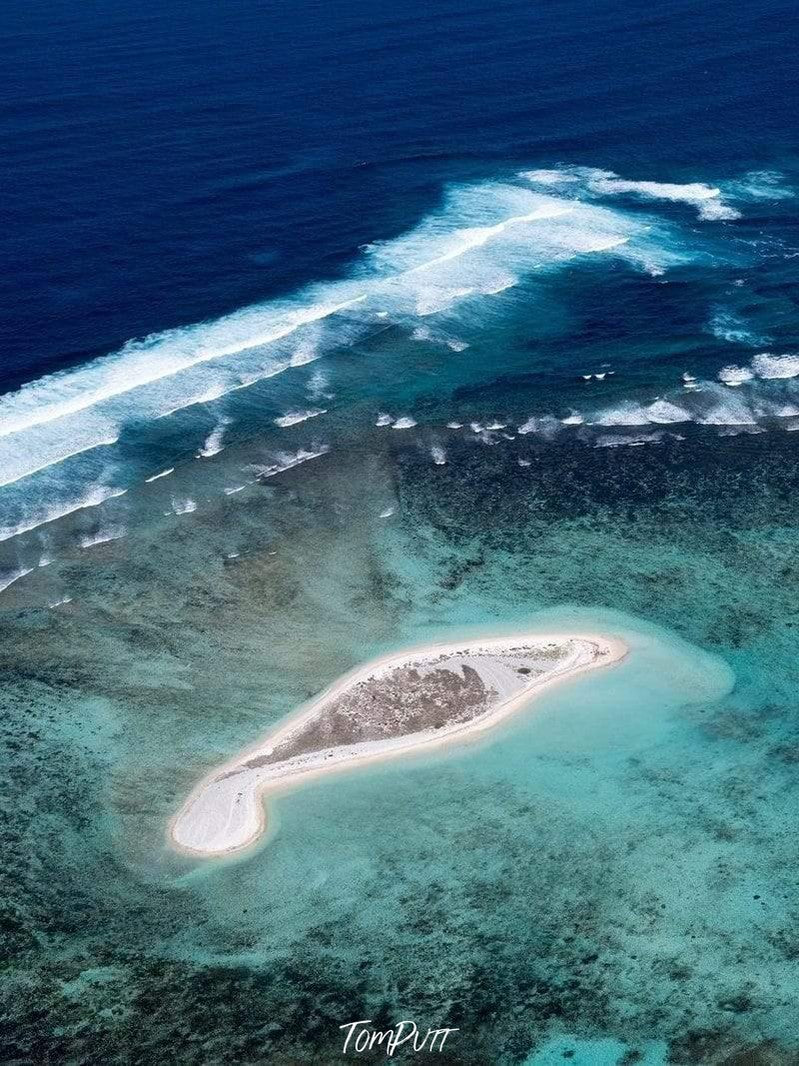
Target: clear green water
<point>611,874</point>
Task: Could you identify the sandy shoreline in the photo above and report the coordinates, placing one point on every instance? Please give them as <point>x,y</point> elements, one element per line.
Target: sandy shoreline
<point>225,812</point>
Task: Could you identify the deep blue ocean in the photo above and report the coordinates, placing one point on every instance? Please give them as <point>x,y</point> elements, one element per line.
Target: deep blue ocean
<point>167,165</point>
<point>328,329</point>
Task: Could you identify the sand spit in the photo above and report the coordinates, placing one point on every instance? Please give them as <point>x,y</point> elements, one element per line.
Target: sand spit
<point>402,702</point>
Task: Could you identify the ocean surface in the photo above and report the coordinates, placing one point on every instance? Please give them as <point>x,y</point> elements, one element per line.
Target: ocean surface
<point>333,328</point>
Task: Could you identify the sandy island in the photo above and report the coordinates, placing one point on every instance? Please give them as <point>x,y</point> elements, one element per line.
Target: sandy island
<point>398,703</point>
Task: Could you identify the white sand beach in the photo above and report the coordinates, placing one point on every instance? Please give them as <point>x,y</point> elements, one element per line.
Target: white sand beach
<point>419,698</point>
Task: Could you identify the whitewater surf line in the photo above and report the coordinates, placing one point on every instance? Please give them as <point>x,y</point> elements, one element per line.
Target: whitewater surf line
<point>81,403</point>
<point>65,414</point>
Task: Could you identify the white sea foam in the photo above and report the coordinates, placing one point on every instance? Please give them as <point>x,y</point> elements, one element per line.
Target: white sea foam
<point>438,454</point>
<point>736,431</point>
<point>605,245</point>
<point>307,351</point>
<point>285,461</point>
<point>628,413</point>
<point>485,238</point>
<point>611,440</point>
<point>425,333</point>
<point>665,412</point>
<point>318,386</point>
<point>730,410</point>
<point>7,579</point>
<point>735,375</point>
<point>431,301</point>
<point>166,355</point>
<point>500,283</point>
<point>214,393</point>
<point>705,198</point>
<point>384,420</point>
<point>717,210</point>
<point>293,418</point>
<point>93,498</point>
<point>159,356</point>
<point>12,477</point>
<point>183,505</point>
<point>103,536</point>
<point>213,442</point>
<point>709,403</point>
<point>163,473</point>
<point>548,427</point>
<point>553,177</point>
<point>761,185</point>
<point>767,365</point>
<point>475,237</point>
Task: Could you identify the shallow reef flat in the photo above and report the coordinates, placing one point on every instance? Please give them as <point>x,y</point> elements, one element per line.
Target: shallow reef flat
<point>401,702</point>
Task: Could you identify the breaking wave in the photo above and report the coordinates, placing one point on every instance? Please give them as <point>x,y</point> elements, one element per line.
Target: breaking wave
<point>485,238</point>
<point>286,461</point>
<point>711,203</point>
<point>764,392</point>
<point>213,442</point>
<point>293,418</point>
<point>40,517</point>
<point>66,430</point>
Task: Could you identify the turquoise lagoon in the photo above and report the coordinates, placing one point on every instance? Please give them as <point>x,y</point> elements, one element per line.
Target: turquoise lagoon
<point>613,867</point>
